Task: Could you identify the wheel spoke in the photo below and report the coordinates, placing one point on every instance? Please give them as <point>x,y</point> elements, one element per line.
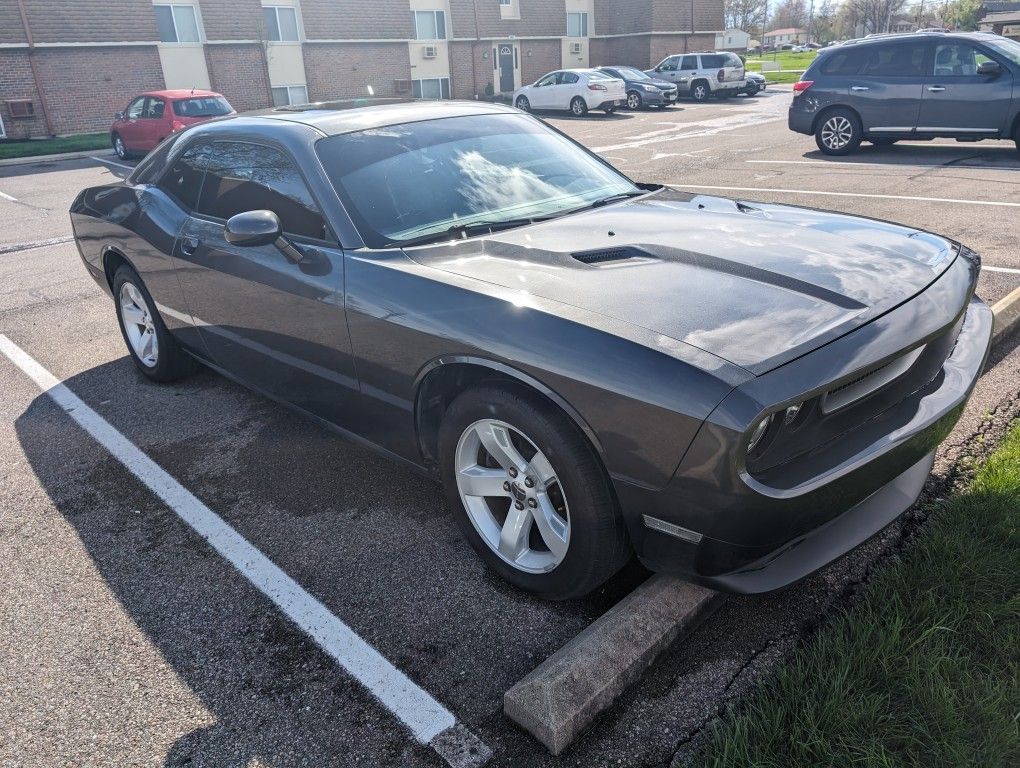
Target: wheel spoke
<point>551,527</point>
<point>482,481</point>
<point>513,538</point>
<point>496,440</point>
<point>132,314</point>
<point>148,342</point>
<point>541,470</point>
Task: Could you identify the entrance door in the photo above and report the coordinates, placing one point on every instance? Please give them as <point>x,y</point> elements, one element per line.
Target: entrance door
<point>506,67</point>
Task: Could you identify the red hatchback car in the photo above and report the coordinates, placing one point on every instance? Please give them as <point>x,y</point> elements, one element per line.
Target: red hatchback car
<point>153,116</point>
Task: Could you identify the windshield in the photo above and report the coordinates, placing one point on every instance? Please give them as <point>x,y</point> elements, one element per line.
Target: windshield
<point>405,182</point>
<point>1008,48</point>
<point>202,106</point>
<point>632,74</point>
<point>596,75</point>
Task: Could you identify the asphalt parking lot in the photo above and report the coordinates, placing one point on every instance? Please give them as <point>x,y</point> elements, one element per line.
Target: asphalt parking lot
<point>126,639</point>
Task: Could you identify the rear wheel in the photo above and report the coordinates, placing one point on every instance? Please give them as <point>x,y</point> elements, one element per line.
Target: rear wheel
<point>609,110</point>
<point>838,132</point>
<point>578,106</point>
<point>699,90</point>
<point>633,100</point>
<point>529,493</point>
<point>523,104</point>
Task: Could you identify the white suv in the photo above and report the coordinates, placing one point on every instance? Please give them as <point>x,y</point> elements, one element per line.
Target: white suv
<point>575,89</point>
<point>700,75</point>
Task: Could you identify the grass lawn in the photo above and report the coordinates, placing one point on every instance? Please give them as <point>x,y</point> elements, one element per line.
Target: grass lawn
<point>924,670</point>
<point>35,147</point>
<point>782,77</point>
<point>786,60</point>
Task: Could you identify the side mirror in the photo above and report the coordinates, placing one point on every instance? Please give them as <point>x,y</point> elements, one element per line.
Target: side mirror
<point>989,68</point>
<point>256,228</point>
<point>119,116</point>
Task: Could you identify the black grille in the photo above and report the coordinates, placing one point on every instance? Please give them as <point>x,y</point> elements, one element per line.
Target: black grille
<point>608,254</point>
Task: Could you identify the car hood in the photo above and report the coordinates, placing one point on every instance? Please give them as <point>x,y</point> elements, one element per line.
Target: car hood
<point>755,284</point>
<point>662,84</point>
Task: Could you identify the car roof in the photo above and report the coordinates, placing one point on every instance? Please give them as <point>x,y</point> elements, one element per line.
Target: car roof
<point>349,115</point>
<point>181,93</point>
<point>897,36</point>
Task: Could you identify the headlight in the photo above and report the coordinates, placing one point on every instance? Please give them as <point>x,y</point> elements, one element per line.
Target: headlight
<point>759,432</point>
<point>651,88</point>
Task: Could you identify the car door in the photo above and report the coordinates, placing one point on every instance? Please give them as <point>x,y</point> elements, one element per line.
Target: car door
<point>887,90</point>
<point>153,123</point>
<point>132,129</point>
<point>568,85</point>
<point>957,99</point>
<point>541,94</point>
<point>688,69</point>
<point>668,68</point>
<point>277,325</point>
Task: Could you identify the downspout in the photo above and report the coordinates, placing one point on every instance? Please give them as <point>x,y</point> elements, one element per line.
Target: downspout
<point>474,52</point>
<point>31,65</point>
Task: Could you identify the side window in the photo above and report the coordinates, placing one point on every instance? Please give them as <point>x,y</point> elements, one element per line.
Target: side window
<point>844,63</point>
<point>147,171</point>
<point>569,78</point>
<point>134,110</point>
<point>154,109</point>
<point>894,60</point>
<point>713,61</point>
<point>250,177</point>
<point>689,62</point>
<point>670,64</point>
<point>958,60</point>
<point>183,181</point>
<point>549,79</point>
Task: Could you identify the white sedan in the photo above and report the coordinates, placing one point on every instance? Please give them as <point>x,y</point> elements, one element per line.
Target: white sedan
<point>577,90</point>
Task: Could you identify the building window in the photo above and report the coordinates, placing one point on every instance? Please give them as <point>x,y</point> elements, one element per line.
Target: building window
<point>431,88</point>
<point>505,2</point>
<point>281,23</point>
<point>285,95</point>
<point>429,25</point>
<point>577,25</point>
<point>176,23</point>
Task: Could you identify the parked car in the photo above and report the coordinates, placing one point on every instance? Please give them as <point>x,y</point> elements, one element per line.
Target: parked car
<point>913,86</point>
<point>153,116</point>
<point>642,89</point>
<point>700,75</point>
<point>591,366</point>
<point>576,90</point>
<point>755,83</point>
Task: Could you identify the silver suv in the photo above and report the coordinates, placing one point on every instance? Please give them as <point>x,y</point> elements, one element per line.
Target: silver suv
<point>700,75</point>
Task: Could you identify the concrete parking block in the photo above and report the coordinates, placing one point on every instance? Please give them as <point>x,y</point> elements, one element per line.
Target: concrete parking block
<point>564,695</point>
<point>1007,315</point>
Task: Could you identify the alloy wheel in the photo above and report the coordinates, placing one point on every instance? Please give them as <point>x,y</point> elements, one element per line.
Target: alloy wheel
<point>578,107</point>
<point>633,101</point>
<point>523,104</point>
<point>512,496</point>
<point>119,148</point>
<point>837,132</point>
<point>700,93</point>
<point>139,326</point>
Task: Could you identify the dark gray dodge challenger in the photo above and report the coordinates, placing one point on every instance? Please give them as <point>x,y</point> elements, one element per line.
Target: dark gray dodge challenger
<point>738,393</point>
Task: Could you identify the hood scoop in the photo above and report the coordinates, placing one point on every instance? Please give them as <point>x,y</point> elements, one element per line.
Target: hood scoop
<point>610,257</point>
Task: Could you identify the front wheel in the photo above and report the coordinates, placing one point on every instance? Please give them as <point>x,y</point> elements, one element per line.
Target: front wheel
<point>119,147</point>
<point>838,132</point>
<point>529,493</point>
<point>578,106</point>
<point>523,104</point>
<point>633,100</point>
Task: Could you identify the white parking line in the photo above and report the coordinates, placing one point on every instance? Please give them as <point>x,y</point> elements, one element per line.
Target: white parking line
<point>428,720</point>
<point>891,165</point>
<point>1007,270</point>
<point>15,247</point>
<point>776,191</point>
<point>111,162</point>
<point>5,196</point>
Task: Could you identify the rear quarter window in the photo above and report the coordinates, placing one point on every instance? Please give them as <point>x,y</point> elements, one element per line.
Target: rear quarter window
<point>714,61</point>
<point>846,62</point>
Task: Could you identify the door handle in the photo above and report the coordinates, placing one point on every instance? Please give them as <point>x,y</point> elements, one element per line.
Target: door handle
<point>936,88</point>
<point>859,88</point>
<point>189,245</point>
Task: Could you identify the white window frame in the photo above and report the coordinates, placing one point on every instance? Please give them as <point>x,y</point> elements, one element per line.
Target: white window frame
<point>173,17</point>
<point>297,22</point>
<point>435,15</point>
<point>290,94</point>
<point>421,80</point>
<point>583,19</point>
<point>3,131</point>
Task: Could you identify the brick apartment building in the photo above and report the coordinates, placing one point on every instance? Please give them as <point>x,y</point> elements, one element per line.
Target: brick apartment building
<point>66,66</point>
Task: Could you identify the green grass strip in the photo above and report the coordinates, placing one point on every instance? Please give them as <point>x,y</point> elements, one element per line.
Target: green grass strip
<point>38,147</point>
<point>924,670</point>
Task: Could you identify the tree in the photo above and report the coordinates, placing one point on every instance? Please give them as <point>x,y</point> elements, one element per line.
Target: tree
<point>748,15</point>
<point>964,14</point>
<point>871,16</point>
<point>789,13</point>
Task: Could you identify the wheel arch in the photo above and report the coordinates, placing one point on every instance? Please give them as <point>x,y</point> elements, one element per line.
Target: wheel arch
<point>439,382</point>
<point>828,108</point>
<point>112,259</point>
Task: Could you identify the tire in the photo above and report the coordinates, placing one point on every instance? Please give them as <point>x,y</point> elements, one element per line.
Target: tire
<point>523,104</point>
<point>634,100</point>
<point>167,361</point>
<point>883,142</point>
<point>118,147</point>
<point>838,132</point>
<point>589,538</point>
<point>1016,136</point>
<point>700,90</point>
<point>578,106</point>
<point>609,110</point>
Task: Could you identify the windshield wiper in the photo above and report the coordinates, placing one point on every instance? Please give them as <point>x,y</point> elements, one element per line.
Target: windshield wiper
<point>471,229</point>
<point>614,199</point>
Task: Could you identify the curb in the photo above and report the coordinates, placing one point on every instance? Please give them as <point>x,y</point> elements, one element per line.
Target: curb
<point>85,153</point>
<point>564,695</point>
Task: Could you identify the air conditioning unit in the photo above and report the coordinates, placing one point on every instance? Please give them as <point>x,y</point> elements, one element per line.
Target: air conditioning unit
<point>21,108</point>
<point>575,47</point>
<point>430,51</point>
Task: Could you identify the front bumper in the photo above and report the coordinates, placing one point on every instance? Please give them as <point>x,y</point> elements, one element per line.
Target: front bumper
<point>735,532</point>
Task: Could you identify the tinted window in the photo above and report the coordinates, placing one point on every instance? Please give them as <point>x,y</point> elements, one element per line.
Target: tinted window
<point>626,73</point>
<point>567,78</point>
<point>690,62</point>
<point>202,106</point>
<point>249,177</point>
<point>894,60</point>
<point>958,60</point>
<point>147,171</point>
<point>844,63</point>
<point>713,61</point>
<point>403,182</point>
<point>154,109</point>
<point>183,181</point>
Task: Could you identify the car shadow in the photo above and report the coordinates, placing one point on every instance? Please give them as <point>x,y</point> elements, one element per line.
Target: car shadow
<point>372,541</point>
<point>987,154</point>
<point>41,165</point>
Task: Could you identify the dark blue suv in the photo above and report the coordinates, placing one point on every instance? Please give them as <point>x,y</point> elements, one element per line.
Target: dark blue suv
<point>920,86</point>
